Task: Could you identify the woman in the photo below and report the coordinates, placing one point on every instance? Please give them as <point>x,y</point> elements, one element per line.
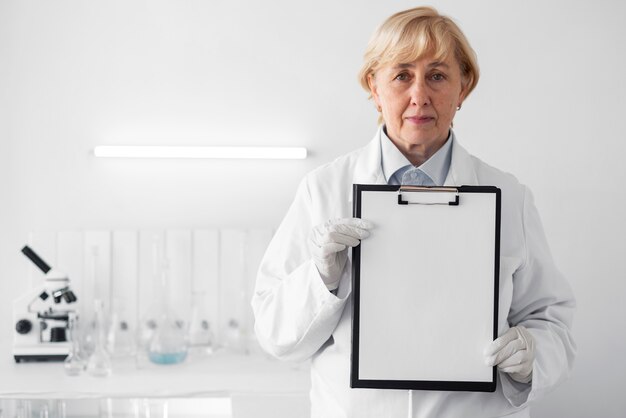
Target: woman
<point>419,69</point>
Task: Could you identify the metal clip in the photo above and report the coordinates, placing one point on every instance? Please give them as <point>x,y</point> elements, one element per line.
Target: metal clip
<point>429,195</point>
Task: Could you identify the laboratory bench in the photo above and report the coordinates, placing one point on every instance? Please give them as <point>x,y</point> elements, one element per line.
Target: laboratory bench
<point>256,385</point>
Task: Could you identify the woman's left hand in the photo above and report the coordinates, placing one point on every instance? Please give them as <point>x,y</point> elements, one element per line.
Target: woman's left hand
<point>513,353</point>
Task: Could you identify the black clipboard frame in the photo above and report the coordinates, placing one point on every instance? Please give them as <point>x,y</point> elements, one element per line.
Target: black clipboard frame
<point>355,381</point>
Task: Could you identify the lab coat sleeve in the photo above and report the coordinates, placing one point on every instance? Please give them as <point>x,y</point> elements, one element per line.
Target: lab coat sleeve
<point>295,313</point>
<point>543,302</point>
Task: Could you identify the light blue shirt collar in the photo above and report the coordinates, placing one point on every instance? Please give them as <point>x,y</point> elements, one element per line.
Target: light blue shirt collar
<point>394,163</point>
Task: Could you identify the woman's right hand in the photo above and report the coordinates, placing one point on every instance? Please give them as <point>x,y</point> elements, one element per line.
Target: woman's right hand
<point>329,244</point>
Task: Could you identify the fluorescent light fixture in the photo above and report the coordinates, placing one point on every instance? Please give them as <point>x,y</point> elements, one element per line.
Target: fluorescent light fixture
<point>268,153</point>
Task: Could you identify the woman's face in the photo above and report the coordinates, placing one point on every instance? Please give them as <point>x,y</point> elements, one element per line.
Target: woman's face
<point>418,101</point>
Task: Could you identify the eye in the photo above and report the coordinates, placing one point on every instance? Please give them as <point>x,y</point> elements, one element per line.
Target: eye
<point>438,77</point>
<point>402,77</point>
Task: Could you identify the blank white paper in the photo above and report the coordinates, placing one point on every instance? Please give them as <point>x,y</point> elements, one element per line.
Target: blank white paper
<point>427,289</point>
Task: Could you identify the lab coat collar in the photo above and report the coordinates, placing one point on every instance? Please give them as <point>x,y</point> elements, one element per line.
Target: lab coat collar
<point>369,170</point>
<point>462,170</point>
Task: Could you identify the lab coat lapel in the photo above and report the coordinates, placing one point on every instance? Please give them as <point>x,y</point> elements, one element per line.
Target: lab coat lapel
<point>462,171</point>
<point>368,168</point>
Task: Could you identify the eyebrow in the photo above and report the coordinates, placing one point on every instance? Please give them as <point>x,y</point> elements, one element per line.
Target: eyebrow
<point>411,65</point>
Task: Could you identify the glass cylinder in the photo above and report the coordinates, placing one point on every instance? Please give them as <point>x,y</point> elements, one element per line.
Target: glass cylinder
<point>74,363</point>
<point>87,325</point>
<point>99,363</point>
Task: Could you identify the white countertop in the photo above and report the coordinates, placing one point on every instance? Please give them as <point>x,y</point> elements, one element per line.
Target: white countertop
<point>221,374</point>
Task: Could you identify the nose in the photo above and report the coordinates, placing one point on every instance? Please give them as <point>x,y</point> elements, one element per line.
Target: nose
<point>420,95</point>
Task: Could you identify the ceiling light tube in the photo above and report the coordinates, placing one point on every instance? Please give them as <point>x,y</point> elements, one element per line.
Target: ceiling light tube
<point>268,153</point>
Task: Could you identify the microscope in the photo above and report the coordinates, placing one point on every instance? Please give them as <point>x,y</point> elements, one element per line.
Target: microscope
<point>42,316</point>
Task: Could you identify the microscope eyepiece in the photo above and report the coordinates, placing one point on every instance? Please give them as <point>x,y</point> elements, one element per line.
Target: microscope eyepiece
<point>43,266</point>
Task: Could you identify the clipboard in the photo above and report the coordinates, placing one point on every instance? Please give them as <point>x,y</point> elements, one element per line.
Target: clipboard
<point>425,287</point>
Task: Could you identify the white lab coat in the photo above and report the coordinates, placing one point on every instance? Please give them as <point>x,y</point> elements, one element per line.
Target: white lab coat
<point>297,318</point>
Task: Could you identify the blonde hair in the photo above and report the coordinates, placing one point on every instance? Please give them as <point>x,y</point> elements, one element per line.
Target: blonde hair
<point>408,35</point>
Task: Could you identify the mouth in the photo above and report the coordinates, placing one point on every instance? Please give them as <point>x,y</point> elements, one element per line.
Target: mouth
<point>420,120</point>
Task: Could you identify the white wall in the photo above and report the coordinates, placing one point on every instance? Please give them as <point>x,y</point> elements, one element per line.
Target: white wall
<point>548,107</point>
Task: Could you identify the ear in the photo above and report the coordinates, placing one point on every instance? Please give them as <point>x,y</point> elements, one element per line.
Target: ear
<point>464,90</point>
<point>371,82</point>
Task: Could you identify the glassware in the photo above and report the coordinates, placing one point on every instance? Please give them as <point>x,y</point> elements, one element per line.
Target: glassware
<point>148,320</point>
<point>74,363</point>
<point>200,330</point>
<point>120,338</point>
<point>86,336</point>
<point>233,337</point>
<point>170,341</point>
<point>87,326</point>
<point>146,330</point>
<point>99,363</point>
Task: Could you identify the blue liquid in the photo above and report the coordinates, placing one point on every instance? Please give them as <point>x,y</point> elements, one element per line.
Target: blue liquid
<point>167,358</point>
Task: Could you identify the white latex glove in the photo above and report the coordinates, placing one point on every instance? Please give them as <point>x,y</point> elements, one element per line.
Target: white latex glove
<point>329,245</point>
<point>513,353</point>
